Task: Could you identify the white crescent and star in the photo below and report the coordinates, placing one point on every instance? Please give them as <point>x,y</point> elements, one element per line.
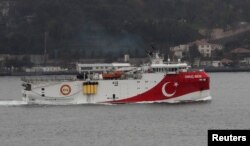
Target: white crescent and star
<point>165,93</point>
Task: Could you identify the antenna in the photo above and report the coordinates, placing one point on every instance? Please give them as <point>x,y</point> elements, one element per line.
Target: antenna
<point>45,46</point>
<point>149,52</point>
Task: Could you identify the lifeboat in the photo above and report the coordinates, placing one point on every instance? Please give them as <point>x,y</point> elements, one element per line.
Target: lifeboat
<point>112,75</point>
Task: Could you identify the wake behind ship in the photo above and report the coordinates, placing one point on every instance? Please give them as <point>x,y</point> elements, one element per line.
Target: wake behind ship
<point>156,82</point>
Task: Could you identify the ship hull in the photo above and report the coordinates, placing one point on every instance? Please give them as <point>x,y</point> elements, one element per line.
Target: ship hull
<point>151,88</point>
<point>192,97</point>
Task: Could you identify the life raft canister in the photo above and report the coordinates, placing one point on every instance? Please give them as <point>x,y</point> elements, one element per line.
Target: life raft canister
<point>90,88</point>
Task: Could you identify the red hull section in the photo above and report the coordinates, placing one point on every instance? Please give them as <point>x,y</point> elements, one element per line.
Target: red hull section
<point>172,86</point>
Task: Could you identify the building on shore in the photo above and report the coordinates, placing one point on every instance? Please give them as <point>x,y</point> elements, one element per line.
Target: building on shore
<point>100,67</point>
<point>180,50</point>
<point>242,56</point>
<point>206,48</point>
<point>203,46</point>
<point>46,69</point>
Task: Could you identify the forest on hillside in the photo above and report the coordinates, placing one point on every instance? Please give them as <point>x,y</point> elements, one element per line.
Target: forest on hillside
<point>110,28</point>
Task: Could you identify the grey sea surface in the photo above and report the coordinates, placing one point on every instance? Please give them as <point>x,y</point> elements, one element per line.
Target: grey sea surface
<point>125,124</point>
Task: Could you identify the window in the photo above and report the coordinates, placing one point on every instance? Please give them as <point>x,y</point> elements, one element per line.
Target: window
<point>86,68</point>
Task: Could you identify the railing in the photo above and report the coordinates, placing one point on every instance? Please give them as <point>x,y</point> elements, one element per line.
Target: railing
<point>30,79</point>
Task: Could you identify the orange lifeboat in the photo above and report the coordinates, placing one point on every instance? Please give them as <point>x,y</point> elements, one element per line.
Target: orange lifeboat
<point>112,75</point>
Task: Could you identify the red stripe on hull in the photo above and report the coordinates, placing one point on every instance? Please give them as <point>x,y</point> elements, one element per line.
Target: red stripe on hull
<point>172,86</point>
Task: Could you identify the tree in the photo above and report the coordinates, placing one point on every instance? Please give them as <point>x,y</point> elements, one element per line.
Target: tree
<point>22,30</point>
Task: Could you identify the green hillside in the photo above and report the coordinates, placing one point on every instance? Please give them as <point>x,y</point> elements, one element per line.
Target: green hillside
<point>97,28</point>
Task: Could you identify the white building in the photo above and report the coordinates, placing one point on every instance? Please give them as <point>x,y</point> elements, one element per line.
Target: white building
<point>126,58</point>
<point>206,48</point>
<point>100,67</point>
<point>180,50</point>
<point>45,69</point>
<point>4,8</point>
<point>245,61</point>
<point>217,64</point>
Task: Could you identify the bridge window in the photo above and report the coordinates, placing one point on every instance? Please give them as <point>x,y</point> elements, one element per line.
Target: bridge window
<point>86,68</point>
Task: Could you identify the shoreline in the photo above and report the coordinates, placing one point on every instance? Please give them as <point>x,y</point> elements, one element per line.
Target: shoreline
<point>36,73</point>
<point>246,69</point>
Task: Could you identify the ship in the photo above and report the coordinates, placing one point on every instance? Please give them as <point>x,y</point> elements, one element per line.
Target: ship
<point>155,82</point>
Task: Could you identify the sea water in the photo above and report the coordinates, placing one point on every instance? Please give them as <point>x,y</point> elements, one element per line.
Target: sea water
<point>126,124</point>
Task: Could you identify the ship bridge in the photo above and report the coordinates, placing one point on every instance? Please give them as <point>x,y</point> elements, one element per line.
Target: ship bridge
<point>170,68</point>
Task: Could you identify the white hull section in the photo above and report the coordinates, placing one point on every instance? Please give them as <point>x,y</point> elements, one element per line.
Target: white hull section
<point>191,97</point>
<point>107,89</point>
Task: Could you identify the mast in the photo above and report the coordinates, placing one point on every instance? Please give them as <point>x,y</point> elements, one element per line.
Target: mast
<point>45,47</point>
